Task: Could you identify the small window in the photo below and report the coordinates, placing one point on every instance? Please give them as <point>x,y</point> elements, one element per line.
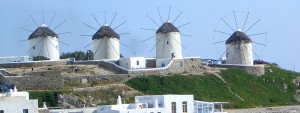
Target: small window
<point>167,42</point>
<point>33,47</point>
<point>25,110</point>
<point>137,62</point>
<point>180,64</point>
<point>1,111</point>
<point>162,65</point>
<point>184,107</point>
<point>173,107</point>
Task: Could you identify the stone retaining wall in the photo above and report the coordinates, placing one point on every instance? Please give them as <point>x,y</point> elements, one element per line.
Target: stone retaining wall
<point>95,78</point>
<point>33,63</point>
<point>36,81</point>
<point>254,69</point>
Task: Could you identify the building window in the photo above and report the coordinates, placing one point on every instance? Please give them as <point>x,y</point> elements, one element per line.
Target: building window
<point>184,107</point>
<point>25,110</point>
<point>137,62</point>
<point>33,47</point>
<point>1,111</point>
<point>173,107</point>
<point>167,42</point>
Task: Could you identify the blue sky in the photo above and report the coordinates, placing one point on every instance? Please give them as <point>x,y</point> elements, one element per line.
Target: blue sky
<point>280,19</point>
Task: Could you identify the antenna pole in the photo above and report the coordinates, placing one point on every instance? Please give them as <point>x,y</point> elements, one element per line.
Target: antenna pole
<point>237,27</point>
<point>245,21</point>
<point>159,15</point>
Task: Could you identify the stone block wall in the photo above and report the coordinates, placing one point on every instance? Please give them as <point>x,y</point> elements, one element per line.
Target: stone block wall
<point>36,81</point>
<point>186,65</point>
<point>254,69</point>
<point>96,78</point>
<point>33,63</point>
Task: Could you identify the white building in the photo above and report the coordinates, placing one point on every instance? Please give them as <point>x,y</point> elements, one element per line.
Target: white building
<point>43,42</point>
<point>133,62</point>
<point>153,104</point>
<point>168,42</point>
<point>106,44</point>
<point>10,59</point>
<point>17,102</point>
<point>239,49</point>
<point>162,104</point>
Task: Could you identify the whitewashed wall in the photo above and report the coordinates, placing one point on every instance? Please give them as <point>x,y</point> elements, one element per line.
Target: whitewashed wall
<point>106,48</point>
<point>168,43</point>
<point>239,53</point>
<point>44,46</point>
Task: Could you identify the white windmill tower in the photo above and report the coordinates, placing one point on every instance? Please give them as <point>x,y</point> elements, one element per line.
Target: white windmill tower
<point>106,42</point>
<point>168,38</point>
<point>239,48</point>
<point>43,41</point>
<point>168,42</point>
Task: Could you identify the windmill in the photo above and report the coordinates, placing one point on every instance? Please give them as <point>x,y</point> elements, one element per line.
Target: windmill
<point>168,37</point>
<point>106,42</point>
<point>43,41</point>
<point>239,45</point>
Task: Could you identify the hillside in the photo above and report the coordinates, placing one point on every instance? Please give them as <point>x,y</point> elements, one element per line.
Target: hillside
<point>240,89</point>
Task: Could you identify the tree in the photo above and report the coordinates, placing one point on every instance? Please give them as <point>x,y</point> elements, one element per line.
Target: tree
<point>78,55</point>
<point>37,58</point>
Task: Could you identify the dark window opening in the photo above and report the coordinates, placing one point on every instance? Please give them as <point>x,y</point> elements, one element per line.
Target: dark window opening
<point>173,107</point>
<point>137,62</point>
<point>25,110</point>
<point>1,111</point>
<point>184,107</point>
<point>167,42</point>
<point>33,47</point>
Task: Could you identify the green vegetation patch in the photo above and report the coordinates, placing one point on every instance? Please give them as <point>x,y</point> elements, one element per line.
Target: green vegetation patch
<point>266,90</point>
<point>50,97</point>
